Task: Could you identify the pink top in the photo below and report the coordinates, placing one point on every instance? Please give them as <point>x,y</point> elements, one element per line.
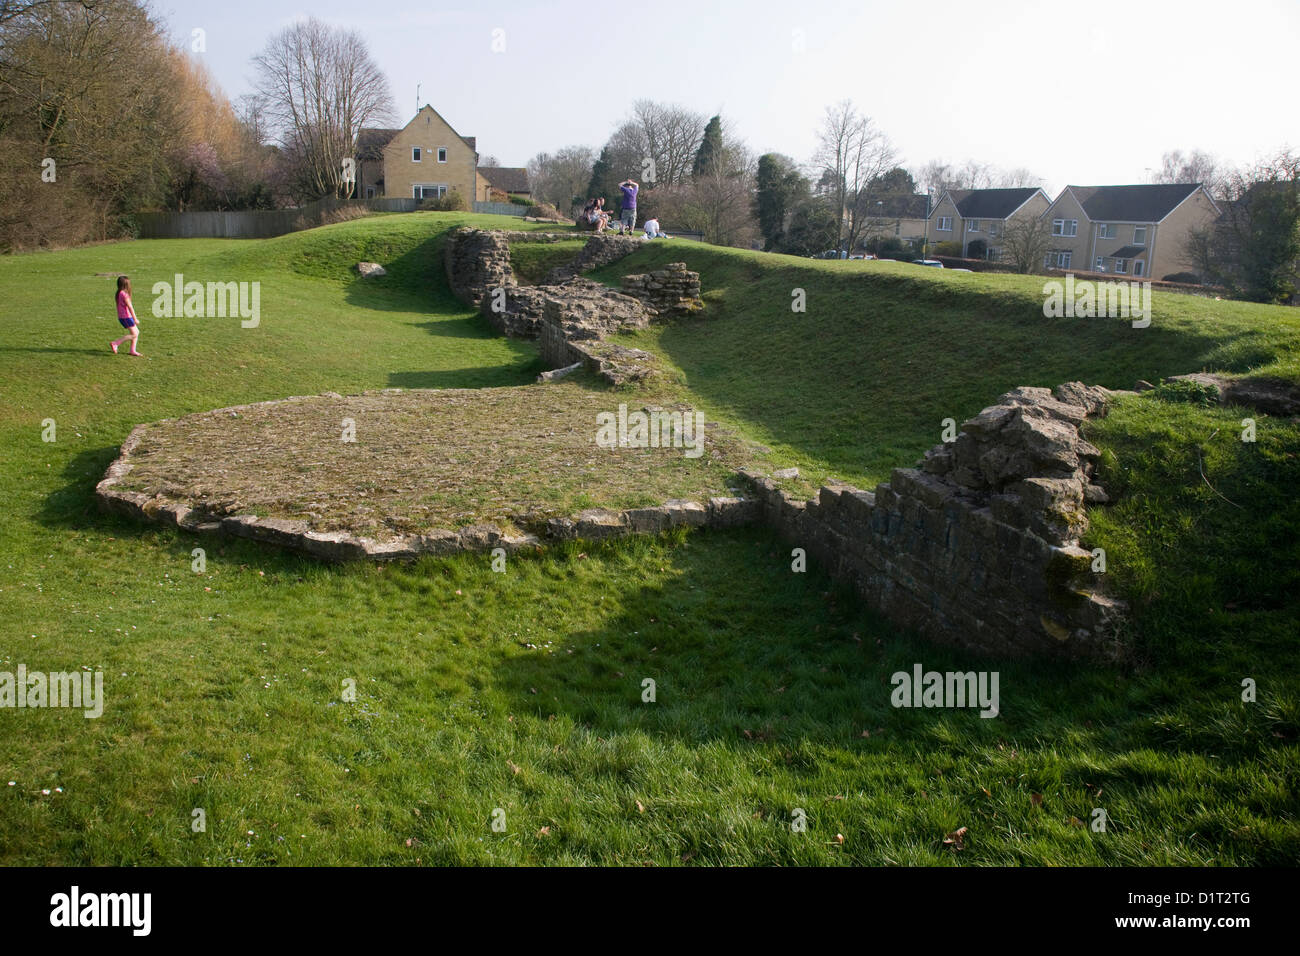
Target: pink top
<point>124,308</point>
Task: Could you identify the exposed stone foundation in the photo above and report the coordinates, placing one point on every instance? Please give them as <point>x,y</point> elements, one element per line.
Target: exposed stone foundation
<point>977,548</point>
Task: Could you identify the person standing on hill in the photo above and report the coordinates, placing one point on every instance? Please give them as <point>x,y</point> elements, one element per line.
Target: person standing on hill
<point>126,316</point>
<point>628,218</point>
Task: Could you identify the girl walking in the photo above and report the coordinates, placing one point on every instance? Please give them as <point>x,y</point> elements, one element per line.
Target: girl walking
<point>126,315</point>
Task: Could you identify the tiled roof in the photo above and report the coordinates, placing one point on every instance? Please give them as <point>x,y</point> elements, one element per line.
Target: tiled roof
<point>508,179</point>
<point>372,140</point>
<point>1128,252</point>
<point>990,203</point>
<point>1142,203</point>
<point>897,207</point>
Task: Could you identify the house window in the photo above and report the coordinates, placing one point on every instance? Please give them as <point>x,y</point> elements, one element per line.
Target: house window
<point>1139,267</point>
<point>993,229</point>
<point>945,223</point>
<point>1121,266</point>
<point>1065,227</point>
<point>972,225</point>
<point>1063,260</point>
<point>429,190</point>
<point>1105,231</point>
<point>370,192</point>
<point>1139,235</point>
<point>1101,263</point>
<point>994,253</point>
<point>415,154</point>
<point>442,154</point>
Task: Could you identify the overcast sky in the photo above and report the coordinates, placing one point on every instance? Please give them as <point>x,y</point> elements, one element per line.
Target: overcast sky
<point>1084,93</point>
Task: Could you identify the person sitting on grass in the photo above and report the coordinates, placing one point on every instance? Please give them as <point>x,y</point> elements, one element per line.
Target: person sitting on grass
<point>652,230</point>
<point>602,217</point>
<point>126,315</point>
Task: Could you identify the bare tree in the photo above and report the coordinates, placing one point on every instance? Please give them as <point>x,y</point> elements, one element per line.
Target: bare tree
<point>937,175</point>
<point>561,178</point>
<point>320,86</point>
<point>1253,249</point>
<point>1194,167</point>
<point>1025,243</point>
<point>851,152</point>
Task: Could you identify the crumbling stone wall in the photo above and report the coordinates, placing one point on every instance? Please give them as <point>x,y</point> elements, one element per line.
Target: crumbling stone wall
<point>569,315</point>
<point>979,547</point>
<point>671,290</point>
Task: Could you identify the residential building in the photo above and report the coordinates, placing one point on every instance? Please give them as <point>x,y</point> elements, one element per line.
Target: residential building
<point>901,217</point>
<point>424,159</point>
<point>511,180</point>
<point>967,215</point>
<point>1136,231</point>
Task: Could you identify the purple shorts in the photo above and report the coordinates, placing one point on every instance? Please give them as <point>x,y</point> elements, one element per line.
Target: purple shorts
<point>127,322</point>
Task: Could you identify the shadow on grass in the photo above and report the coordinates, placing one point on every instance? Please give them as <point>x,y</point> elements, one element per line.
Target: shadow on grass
<point>743,650</point>
<point>474,377</point>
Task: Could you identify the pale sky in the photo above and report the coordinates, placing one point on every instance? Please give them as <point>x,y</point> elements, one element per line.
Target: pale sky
<point>1085,93</point>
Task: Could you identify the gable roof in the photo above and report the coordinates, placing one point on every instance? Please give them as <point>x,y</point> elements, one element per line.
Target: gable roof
<point>990,203</point>
<point>371,140</point>
<point>1140,203</point>
<point>508,179</point>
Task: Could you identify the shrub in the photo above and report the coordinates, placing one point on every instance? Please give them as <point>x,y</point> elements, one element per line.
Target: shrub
<point>544,210</point>
<point>448,202</point>
<point>977,249</point>
<point>1188,278</point>
<point>947,248</point>
<point>519,200</point>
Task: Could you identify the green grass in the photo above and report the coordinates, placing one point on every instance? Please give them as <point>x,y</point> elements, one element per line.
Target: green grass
<point>861,382</point>
<point>522,690</point>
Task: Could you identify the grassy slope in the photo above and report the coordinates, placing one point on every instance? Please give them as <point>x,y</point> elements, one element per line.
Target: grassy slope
<point>861,382</point>
<point>223,686</point>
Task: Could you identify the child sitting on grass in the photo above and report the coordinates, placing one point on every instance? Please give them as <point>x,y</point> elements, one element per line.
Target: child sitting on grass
<point>126,315</point>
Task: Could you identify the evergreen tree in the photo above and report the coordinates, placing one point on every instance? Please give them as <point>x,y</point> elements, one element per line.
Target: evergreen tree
<point>603,181</point>
<point>710,150</point>
<point>779,188</point>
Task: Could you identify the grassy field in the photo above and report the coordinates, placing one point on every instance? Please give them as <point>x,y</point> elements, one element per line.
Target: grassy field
<point>522,691</point>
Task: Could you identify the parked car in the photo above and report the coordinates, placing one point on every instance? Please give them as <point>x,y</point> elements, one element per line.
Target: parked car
<point>933,263</point>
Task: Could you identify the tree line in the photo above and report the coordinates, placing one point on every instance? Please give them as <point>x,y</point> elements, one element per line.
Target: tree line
<point>102,115</point>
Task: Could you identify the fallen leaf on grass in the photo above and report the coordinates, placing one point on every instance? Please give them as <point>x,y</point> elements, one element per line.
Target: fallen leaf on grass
<point>956,839</point>
<point>1036,799</point>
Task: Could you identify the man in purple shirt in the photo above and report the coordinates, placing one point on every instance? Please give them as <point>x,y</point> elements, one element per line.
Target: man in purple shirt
<point>628,219</point>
